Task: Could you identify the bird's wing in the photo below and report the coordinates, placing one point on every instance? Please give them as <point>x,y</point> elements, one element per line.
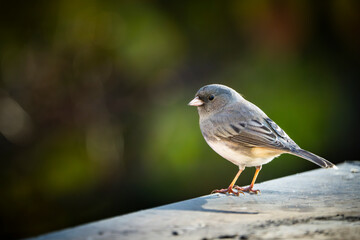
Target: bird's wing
<point>253,132</point>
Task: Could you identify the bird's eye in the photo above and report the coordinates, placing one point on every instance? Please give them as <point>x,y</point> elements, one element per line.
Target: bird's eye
<point>211,97</point>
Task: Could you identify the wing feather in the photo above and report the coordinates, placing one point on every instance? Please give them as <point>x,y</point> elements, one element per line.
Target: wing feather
<point>260,132</point>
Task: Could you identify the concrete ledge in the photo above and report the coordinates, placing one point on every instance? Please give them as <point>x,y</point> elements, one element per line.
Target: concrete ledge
<point>319,204</point>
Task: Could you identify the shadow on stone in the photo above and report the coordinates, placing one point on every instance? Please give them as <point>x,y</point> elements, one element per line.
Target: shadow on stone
<point>197,204</point>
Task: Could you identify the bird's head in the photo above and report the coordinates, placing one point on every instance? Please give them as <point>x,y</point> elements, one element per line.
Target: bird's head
<point>212,98</point>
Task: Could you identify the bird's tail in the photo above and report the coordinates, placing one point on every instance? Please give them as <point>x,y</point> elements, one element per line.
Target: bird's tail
<point>322,162</point>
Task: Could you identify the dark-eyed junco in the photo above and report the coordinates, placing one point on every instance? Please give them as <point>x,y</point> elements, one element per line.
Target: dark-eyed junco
<point>242,133</point>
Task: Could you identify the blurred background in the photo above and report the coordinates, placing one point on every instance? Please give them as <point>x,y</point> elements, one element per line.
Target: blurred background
<point>94,120</point>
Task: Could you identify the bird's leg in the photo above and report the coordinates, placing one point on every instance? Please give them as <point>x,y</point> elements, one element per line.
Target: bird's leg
<point>250,189</point>
<point>230,190</point>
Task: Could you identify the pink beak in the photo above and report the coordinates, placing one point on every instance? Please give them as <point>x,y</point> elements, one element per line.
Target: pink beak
<point>196,102</point>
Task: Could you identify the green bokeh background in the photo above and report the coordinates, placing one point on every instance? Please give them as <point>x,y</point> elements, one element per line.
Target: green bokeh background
<point>94,120</point>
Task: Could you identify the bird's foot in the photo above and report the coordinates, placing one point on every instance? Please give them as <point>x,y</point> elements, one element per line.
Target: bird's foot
<point>228,190</point>
<point>248,189</point>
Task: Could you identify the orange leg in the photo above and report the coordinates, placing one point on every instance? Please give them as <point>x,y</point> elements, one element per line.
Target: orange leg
<point>250,189</point>
<point>230,190</point>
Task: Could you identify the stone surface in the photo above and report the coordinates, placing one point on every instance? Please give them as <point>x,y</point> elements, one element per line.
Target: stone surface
<point>319,204</point>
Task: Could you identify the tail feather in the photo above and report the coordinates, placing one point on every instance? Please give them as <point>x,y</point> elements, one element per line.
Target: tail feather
<point>322,162</point>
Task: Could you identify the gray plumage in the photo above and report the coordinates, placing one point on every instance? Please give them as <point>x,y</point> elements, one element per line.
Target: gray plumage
<point>241,132</point>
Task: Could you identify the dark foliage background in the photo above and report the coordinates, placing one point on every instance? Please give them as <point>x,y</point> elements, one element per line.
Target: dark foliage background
<point>94,119</point>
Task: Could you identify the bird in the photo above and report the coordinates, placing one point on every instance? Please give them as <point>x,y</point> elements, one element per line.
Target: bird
<point>243,134</point>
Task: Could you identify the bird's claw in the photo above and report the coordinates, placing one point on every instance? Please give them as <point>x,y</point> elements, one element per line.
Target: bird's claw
<point>228,191</point>
<point>247,189</point>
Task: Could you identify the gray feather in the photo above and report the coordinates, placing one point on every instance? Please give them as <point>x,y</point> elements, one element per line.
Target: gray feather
<point>322,162</point>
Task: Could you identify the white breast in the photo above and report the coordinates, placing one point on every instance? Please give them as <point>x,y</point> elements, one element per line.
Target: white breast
<point>236,157</point>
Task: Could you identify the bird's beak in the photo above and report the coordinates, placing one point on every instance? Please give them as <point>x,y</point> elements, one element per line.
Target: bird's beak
<point>196,102</point>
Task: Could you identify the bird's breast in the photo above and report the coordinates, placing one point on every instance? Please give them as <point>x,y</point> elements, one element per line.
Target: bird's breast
<point>243,155</point>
